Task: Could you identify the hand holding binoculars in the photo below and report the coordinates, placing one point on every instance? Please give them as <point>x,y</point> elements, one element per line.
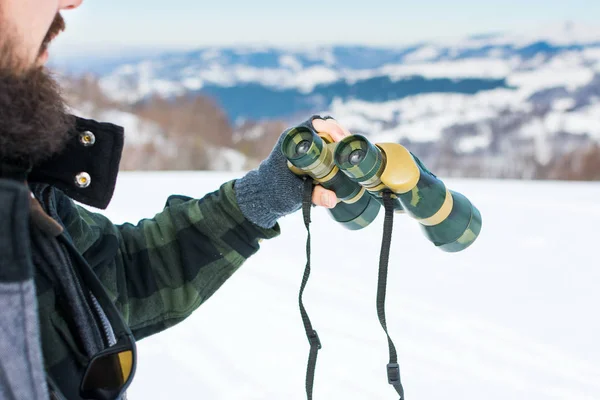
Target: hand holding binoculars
<point>359,172</point>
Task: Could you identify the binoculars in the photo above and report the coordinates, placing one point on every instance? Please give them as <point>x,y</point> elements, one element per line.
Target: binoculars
<point>359,172</point>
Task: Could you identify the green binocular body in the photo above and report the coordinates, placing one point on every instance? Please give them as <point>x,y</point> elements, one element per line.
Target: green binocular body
<point>359,172</point>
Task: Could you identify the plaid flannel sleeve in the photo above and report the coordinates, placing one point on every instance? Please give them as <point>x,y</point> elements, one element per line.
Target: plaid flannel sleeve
<point>163,268</point>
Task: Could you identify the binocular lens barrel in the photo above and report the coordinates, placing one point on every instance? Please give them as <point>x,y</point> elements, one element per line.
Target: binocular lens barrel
<point>364,163</point>
<point>450,221</point>
<point>304,149</point>
<point>359,171</point>
<point>459,230</point>
<point>360,160</point>
<point>313,155</point>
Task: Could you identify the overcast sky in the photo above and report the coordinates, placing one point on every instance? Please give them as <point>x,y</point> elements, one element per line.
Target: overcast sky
<point>101,25</point>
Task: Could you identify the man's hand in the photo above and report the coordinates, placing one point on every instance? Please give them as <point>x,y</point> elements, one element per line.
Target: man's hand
<point>324,197</point>
<point>272,190</point>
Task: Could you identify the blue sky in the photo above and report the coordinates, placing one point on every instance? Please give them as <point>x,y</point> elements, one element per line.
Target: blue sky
<point>106,24</point>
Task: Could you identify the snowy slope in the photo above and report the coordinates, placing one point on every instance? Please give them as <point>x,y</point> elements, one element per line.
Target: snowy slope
<point>424,118</point>
<point>512,317</point>
<point>549,48</point>
<point>547,79</point>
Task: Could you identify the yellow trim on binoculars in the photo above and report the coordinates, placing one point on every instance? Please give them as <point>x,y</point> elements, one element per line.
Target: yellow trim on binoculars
<point>295,169</point>
<point>324,161</point>
<point>378,188</point>
<point>329,176</point>
<point>405,174</point>
<point>326,136</point>
<point>356,198</point>
<point>443,213</point>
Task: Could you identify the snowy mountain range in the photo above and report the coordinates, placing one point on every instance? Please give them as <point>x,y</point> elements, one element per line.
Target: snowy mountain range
<point>520,99</point>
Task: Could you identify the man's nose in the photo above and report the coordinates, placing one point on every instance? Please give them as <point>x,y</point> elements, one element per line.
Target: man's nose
<point>69,4</point>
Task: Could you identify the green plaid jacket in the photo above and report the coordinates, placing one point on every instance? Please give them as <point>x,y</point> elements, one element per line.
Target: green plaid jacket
<point>157,272</point>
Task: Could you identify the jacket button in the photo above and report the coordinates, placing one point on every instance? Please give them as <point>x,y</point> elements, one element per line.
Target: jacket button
<point>87,138</point>
<point>83,180</point>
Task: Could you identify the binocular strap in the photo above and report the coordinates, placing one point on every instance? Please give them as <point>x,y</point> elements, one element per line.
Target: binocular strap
<point>311,334</point>
<point>393,369</point>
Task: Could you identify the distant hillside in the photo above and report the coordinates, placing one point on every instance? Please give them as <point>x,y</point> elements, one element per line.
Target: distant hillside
<point>501,105</point>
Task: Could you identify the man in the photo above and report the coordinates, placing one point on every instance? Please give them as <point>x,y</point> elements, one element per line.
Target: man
<point>76,291</point>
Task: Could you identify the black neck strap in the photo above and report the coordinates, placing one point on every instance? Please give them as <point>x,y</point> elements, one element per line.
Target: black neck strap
<point>393,369</point>
<point>311,334</point>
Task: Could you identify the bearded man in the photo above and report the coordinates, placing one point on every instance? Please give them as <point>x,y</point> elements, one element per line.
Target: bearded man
<point>76,290</point>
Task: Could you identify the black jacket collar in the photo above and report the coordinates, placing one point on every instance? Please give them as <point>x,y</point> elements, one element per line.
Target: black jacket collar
<point>98,157</point>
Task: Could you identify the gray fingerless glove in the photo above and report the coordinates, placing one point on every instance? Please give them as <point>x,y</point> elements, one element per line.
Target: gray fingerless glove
<point>271,191</point>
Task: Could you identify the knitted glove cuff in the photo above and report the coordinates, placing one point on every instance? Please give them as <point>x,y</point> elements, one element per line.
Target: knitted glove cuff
<point>271,191</point>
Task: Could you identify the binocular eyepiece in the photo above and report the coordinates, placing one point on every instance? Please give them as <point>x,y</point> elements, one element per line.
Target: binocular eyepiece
<point>359,172</point>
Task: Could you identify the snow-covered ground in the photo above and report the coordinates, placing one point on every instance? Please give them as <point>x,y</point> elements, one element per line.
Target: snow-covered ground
<point>513,317</point>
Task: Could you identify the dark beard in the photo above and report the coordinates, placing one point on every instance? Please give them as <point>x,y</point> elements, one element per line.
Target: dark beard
<point>58,25</point>
<point>34,123</point>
